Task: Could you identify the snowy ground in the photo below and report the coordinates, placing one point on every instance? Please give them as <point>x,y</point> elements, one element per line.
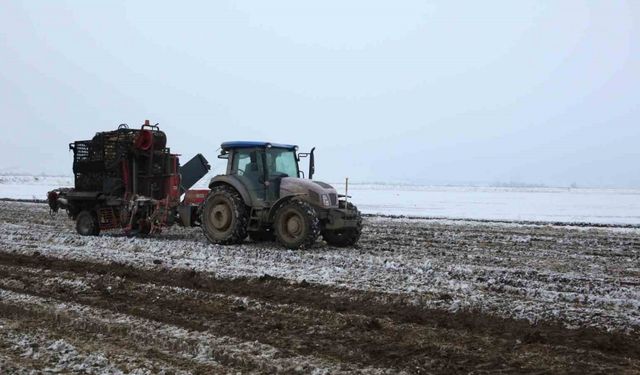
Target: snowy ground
<point>619,206</point>
<point>583,276</point>
<point>31,187</point>
<point>607,206</point>
<point>420,296</point>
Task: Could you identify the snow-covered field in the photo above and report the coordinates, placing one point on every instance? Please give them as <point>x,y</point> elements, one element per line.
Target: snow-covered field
<point>583,276</point>
<point>31,187</point>
<point>416,296</point>
<point>606,206</point>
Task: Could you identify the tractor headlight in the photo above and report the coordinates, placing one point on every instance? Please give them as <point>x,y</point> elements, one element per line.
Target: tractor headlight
<point>325,200</point>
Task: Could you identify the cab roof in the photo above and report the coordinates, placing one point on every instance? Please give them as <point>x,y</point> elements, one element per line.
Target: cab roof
<point>251,144</point>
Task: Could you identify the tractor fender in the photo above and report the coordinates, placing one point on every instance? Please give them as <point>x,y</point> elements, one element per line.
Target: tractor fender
<point>276,206</point>
<point>234,183</point>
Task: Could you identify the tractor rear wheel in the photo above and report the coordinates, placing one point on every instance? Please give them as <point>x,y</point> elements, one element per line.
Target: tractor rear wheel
<point>346,236</point>
<point>297,225</point>
<point>87,223</point>
<point>224,216</point>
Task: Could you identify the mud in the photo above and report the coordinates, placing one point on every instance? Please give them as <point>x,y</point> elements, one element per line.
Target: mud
<point>350,330</point>
<point>92,314</point>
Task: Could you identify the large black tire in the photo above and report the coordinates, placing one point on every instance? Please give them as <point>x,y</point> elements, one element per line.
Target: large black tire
<point>224,216</point>
<point>262,235</point>
<point>296,225</point>
<point>347,236</point>
<point>87,223</point>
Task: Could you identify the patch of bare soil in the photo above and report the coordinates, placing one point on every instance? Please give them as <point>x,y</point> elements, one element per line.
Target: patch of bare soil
<point>164,320</point>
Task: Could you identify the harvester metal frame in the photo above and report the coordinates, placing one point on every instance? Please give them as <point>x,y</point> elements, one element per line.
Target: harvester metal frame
<point>127,179</point>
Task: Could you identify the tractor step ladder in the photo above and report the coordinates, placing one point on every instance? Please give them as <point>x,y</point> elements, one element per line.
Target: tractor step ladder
<point>255,218</point>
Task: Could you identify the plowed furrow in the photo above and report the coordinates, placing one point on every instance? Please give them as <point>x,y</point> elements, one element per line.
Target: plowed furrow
<point>309,320</point>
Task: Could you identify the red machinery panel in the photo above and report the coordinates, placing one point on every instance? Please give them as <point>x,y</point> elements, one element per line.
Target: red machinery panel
<point>195,197</point>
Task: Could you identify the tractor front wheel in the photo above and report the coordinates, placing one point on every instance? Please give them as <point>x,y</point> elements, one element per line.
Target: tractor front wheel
<point>87,223</point>
<point>297,225</point>
<point>346,236</point>
<point>224,216</point>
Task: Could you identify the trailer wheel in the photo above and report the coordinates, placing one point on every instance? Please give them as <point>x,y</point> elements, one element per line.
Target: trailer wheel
<point>347,236</point>
<point>297,225</point>
<point>224,216</point>
<point>87,223</point>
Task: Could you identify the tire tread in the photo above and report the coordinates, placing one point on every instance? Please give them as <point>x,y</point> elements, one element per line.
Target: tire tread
<point>313,224</point>
<point>239,232</point>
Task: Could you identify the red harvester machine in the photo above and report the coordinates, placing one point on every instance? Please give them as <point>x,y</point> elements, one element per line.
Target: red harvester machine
<point>128,179</point>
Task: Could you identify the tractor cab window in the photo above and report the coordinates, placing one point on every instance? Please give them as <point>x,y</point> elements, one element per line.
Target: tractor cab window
<point>247,164</point>
<point>281,162</point>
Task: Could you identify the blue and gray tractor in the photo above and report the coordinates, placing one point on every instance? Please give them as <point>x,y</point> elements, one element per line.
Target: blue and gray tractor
<point>264,195</point>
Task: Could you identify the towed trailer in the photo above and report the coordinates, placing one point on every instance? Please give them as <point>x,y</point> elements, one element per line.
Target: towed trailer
<point>128,179</point>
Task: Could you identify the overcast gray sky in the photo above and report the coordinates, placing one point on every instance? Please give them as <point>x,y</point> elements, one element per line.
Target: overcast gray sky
<point>419,91</point>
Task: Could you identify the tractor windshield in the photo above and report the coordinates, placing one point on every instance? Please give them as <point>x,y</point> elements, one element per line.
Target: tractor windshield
<point>282,161</point>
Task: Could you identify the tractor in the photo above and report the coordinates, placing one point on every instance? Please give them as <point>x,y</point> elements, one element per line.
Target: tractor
<point>264,195</point>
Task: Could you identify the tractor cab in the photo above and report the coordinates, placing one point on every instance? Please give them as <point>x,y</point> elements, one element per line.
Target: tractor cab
<point>261,166</point>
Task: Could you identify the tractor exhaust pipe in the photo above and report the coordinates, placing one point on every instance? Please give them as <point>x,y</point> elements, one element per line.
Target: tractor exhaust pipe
<point>312,163</point>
